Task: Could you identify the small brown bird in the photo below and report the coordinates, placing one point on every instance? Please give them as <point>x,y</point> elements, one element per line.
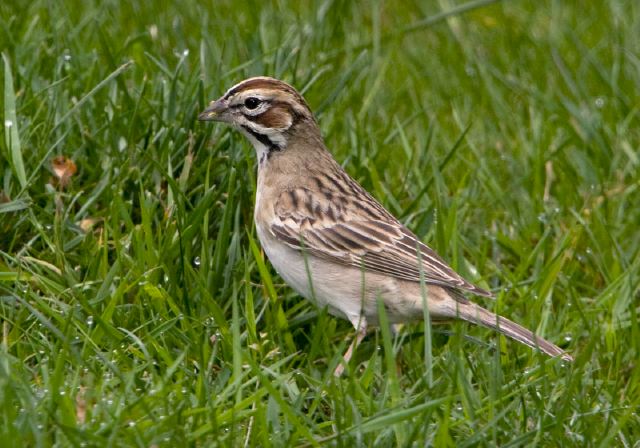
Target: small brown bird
<point>330,239</point>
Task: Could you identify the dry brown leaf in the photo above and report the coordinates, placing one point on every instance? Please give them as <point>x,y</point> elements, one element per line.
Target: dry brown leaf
<point>87,224</point>
<point>63,169</point>
<point>81,406</point>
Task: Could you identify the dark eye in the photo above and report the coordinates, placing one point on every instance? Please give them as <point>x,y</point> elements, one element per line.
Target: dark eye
<point>252,102</point>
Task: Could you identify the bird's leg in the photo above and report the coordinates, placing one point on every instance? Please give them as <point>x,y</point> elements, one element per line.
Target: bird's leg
<point>361,332</point>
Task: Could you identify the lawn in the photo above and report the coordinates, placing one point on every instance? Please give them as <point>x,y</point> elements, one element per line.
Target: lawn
<point>138,309</point>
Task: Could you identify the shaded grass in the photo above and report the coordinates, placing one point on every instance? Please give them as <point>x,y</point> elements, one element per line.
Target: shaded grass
<point>137,307</point>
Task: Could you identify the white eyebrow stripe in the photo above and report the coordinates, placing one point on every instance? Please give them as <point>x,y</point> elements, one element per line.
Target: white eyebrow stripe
<point>237,86</point>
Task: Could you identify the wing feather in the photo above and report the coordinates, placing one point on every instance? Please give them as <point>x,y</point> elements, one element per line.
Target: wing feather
<point>329,228</point>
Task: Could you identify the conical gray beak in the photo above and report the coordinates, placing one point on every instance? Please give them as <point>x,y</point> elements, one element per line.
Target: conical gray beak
<point>214,112</point>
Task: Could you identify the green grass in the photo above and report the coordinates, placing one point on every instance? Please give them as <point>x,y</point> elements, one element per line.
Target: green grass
<point>137,308</point>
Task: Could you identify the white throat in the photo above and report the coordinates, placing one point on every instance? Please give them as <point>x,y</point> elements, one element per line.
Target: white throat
<point>262,151</point>
<point>264,140</point>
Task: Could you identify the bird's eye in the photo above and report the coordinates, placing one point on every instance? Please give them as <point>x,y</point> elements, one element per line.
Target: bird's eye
<point>252,102</point>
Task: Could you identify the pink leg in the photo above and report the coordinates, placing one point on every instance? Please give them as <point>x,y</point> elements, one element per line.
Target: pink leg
<point>361,332</point>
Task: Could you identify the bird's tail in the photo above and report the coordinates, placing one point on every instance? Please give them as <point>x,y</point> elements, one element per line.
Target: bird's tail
<point>473,313</point>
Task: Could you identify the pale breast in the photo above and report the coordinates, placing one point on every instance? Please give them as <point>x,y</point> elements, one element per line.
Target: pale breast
<point>345,291</point>
<point>348,292</point>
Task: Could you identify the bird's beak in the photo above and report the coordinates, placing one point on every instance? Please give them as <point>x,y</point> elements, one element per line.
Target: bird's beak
<point>215,112</point>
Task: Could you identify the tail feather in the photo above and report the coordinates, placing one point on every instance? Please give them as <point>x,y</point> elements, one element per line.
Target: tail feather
<point>473,313</point>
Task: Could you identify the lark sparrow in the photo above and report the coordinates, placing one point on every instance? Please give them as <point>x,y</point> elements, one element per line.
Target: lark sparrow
<point>330,239</point>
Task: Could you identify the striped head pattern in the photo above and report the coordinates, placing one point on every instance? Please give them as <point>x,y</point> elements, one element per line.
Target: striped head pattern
<point>266,110</point>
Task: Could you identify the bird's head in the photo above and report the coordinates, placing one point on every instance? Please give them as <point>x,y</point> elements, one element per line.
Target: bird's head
<point>267,111</point>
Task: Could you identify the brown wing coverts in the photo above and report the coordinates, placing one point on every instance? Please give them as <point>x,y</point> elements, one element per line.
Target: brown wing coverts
<point>367,237</point>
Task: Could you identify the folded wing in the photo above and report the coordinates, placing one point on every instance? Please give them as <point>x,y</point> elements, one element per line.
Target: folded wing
<point>362,235</point>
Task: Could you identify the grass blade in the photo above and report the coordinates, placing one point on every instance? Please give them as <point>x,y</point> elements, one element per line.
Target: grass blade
<point>11,135</point>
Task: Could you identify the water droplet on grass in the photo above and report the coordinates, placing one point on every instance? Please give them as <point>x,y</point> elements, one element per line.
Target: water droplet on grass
<point>8,123</point>
<point>196,261</point>
<point>568,337</point>
<point>90,321</point>
<point>153,31</point>
<point>470,71</point>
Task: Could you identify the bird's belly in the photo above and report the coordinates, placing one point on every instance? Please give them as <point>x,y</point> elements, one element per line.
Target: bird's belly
<point>311,281</point>
<point>344,290</point>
